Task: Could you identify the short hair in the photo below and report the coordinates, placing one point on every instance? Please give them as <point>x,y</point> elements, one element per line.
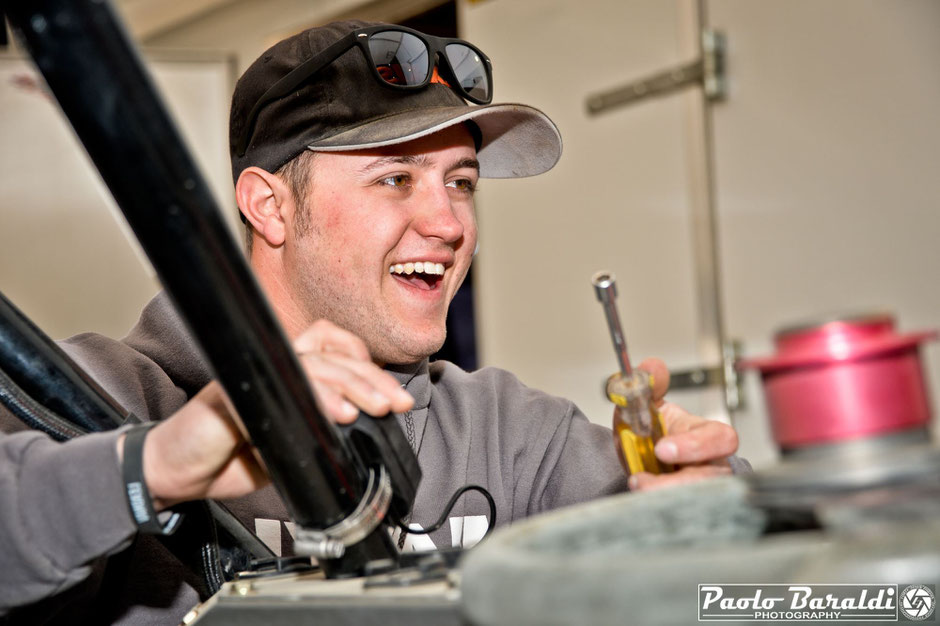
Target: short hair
<point>296,174</point>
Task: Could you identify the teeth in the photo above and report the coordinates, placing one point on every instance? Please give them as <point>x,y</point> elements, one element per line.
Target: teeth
<point>420,267</point>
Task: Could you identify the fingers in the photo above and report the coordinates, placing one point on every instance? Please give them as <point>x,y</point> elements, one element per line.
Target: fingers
<point>660,373</point>
<point>324,336</point>
<point>334,405</point>
<point>692,439</point>
<point>644,481</point>
<point>206,426</point>
<point>343,376</point>
<point>185,454</point>
<point>201,452</point>
<point>700,446</point>
<point>243,474</point>
<point>344,385</point>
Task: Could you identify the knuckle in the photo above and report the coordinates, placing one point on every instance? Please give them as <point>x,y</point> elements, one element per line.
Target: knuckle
<point>671,413</point>
<point>321,325</point>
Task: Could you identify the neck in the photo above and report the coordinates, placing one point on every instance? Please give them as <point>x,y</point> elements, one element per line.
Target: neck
<point>293,318</point>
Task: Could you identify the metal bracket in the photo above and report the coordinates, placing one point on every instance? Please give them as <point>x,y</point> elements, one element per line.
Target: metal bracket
<point>331,543</point>
<point>724,375</point>
<point>707,71</point>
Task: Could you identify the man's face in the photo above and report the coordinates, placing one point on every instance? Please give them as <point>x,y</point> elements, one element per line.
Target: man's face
<point>373,216</point>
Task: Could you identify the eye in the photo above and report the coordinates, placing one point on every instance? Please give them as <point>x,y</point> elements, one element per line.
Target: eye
<point>463,184</point>
<point>399,181</point>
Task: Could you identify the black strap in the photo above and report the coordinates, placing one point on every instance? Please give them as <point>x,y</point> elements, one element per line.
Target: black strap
<point>135,487</point>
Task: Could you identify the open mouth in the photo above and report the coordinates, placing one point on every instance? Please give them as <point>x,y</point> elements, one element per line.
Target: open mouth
<point>426,276</point>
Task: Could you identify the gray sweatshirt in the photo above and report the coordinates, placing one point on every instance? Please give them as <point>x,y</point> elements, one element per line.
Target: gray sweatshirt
<point>52,522</point>
<point>532,451</point>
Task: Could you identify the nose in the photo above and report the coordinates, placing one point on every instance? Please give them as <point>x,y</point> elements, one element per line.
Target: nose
<point>436,216</point>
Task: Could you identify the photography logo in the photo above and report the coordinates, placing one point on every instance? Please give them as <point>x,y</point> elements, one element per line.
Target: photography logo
<point>918,602</point>
<point>813,603</point>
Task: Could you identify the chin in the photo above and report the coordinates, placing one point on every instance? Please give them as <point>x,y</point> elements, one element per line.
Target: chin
<point>413,351</point>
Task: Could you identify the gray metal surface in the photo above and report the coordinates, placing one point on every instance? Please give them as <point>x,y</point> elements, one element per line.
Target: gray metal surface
<point>638,559</point>
<point>301,599</point>
<point>634,558</point>
<point>814,475</point>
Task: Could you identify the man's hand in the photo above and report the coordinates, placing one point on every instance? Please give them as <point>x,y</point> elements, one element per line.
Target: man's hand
<point>344,377</point>
<point>698,447</point>
<point>200,451</point>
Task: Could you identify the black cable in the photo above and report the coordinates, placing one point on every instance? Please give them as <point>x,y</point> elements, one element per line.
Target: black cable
<point>34,414</point>
<point>491,523</point>
<point>43,371</point>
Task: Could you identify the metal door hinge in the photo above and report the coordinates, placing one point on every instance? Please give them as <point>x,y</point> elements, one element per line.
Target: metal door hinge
<point>724,375</point>
<point>707,71</point>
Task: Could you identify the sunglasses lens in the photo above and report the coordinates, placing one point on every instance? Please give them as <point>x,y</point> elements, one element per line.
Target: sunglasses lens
<point>400,58</point>
<point>469,69</point>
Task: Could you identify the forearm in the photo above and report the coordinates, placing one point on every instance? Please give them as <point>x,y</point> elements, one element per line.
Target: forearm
<point>61,507</point>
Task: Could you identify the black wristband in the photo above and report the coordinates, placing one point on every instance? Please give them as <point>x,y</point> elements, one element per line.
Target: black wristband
<point>135,487</point>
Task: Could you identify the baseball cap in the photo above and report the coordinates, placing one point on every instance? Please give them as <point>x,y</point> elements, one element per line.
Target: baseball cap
<point>343,107</point>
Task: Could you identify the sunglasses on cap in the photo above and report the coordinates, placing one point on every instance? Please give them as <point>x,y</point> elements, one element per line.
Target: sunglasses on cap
<point>401,58</point>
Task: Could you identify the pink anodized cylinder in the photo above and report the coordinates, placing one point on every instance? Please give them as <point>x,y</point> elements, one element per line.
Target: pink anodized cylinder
<point>844,379</point>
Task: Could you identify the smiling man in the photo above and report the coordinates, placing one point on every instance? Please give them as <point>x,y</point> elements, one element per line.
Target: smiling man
<point>356,149</point>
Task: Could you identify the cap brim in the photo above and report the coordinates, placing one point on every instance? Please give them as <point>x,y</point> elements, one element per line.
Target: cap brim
<point>517,140</point>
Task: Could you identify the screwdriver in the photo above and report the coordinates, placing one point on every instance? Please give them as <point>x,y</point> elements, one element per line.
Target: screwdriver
<point>637,423</point>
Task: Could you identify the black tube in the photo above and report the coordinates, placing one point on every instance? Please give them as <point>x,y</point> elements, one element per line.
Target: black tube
<point>94,72</point>
<point>43,371</point>
<point>33,414</point>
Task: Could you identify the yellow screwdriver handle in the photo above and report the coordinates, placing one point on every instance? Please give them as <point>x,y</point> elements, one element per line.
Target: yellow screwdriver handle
<point>638,425</point>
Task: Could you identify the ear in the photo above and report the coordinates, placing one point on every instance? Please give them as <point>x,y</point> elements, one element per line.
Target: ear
<point>262,197</point>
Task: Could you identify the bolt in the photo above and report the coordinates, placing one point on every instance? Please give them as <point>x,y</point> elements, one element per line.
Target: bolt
<point>243,589</point>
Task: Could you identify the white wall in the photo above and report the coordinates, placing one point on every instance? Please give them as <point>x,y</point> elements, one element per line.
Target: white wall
<point>827,152</point>
<point>246,28</point>
<point>65,259</point>
<point>618,200</point>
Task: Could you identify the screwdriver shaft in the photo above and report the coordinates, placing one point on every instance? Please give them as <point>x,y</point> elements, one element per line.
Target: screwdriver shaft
<point>605,286</point>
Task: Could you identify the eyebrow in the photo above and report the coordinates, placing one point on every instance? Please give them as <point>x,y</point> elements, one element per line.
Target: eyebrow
<point>471,163</point>
<point>407,159</point>
<point>419,160</point>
